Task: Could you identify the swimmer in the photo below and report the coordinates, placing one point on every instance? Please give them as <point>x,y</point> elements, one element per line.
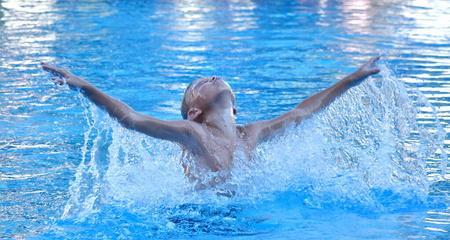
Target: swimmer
<point>208,133</point>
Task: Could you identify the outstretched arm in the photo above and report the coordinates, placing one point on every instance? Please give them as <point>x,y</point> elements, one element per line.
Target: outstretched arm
<point>263,130</point>
<point>178,131</point>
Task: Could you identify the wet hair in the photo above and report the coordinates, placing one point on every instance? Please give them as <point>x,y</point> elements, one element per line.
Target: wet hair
<point>191,93</point>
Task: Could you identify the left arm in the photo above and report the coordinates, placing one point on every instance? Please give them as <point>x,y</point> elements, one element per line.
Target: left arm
<point>183,131</point>
<point>262,130</point>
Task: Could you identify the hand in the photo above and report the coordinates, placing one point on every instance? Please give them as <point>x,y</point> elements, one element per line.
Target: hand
<point>59,72</point>
<point>369,68</point>
<point>63,76</point>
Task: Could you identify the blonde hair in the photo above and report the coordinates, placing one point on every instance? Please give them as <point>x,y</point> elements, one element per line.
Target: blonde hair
<point>190,94</point>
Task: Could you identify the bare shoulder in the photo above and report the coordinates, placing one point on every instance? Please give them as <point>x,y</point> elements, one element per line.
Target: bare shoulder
<point>250,132</point>
<point>247,129</point>
<point>253,128</point>
<point>195,135</point>
<point>193,128</point>
<point>187,133</point>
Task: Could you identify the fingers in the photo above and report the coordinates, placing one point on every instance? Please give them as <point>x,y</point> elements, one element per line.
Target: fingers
<point>370,67</point>
<point>51,69</point>
<point>54,70</point>
<point>47,66</point>
<point>373,63</point>
<point>374,60</point>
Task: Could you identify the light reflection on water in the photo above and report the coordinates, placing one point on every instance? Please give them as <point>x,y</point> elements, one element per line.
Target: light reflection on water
<point>274,55</point>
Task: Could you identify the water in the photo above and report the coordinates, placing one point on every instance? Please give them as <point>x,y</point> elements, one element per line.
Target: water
<point>372,165</point>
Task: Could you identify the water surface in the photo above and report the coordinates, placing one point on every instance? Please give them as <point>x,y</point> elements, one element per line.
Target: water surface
<point>373,165</point>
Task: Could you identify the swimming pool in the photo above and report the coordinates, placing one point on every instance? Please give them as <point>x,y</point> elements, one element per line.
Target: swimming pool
<point>371,166</point>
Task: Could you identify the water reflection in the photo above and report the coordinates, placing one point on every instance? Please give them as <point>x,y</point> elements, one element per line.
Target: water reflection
<point>242,15</point>
<point>358,15</point>
<point>431,20</point>
<point>274,53</point>
<point>31,17</point>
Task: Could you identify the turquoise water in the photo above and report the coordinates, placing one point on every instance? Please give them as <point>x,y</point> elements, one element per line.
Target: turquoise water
<point>371,166</point>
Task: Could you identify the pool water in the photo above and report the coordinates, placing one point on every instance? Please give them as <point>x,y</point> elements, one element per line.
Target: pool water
<point>373,165</point>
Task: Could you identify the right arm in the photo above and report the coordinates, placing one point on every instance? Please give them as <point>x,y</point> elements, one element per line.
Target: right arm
<point>178,131</point>
<point>266,129</point>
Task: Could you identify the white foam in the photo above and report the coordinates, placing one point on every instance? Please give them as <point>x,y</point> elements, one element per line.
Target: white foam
<point>369,140</point>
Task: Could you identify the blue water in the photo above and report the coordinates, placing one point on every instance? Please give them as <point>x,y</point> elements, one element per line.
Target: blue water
<point>371,166</point>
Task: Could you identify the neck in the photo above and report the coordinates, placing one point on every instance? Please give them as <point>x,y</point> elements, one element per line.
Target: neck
<point>224,123</point>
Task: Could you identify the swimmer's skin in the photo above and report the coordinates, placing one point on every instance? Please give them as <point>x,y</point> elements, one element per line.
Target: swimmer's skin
<point>210,133</point>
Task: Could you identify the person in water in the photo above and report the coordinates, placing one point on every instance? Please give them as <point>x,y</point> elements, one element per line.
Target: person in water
<point>208,132</point>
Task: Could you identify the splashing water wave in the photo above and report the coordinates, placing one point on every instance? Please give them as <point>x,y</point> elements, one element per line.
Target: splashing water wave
<point>367,149</point>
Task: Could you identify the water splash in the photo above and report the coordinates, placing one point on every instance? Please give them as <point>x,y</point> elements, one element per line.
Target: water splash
<point>84,190</point>
<point>366,149</point>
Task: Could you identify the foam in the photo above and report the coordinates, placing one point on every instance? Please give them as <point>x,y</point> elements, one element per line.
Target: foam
<point>366,149</point>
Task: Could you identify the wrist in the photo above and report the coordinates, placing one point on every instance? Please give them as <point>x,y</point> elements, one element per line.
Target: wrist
<point>360,74</point>
<point>77,82</point>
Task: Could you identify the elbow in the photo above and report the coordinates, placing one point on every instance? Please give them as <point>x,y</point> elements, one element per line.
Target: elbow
<point>128,120</point>
<point>299,114</point>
